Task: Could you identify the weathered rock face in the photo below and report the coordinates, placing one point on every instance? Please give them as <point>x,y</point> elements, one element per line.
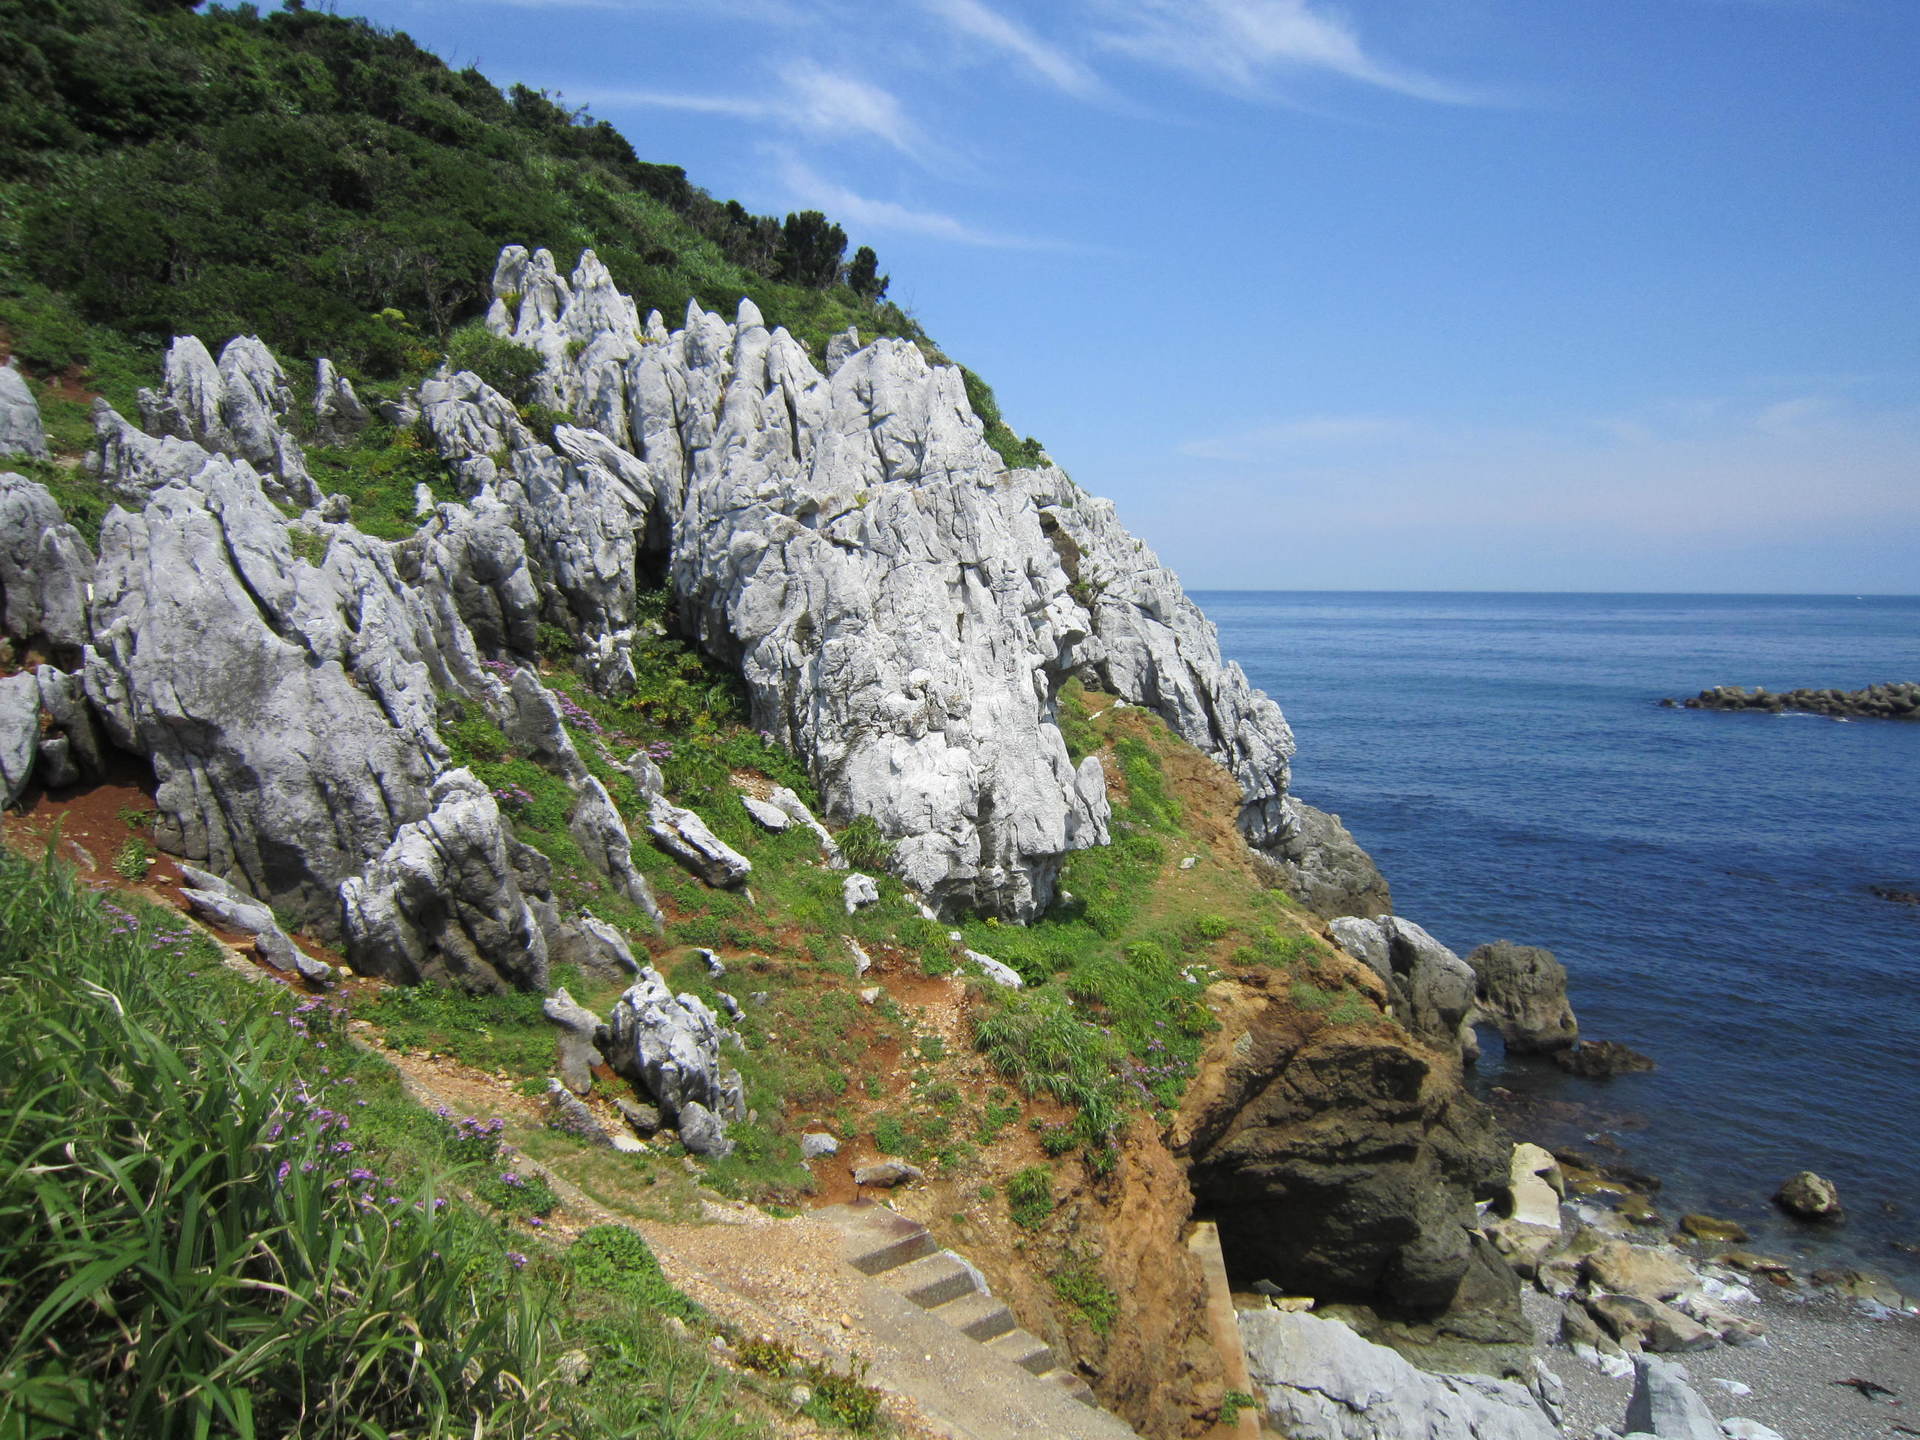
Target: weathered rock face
<point>21,432</point>
<point>1523,990</point>
<point>670,1046</point>
<point>237,407</point>
<point>45,569</point>
<point>1342,1162</point>
<point>1323,1382</point>
<point>1432,988</point>
<point>903,608</point>
<point>1325,867</point>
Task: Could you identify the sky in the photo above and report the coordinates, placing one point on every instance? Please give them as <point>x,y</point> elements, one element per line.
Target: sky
<point>1384,294</point>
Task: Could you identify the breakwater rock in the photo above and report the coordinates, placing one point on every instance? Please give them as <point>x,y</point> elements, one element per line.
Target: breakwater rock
<point>1894,701</point>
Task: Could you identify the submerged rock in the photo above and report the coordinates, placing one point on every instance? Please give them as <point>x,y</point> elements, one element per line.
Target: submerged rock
<point>1598,1059</point>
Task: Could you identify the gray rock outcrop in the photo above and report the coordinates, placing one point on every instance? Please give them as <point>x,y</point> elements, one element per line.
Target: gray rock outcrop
<point>213,897</point>
<point>1325,867</point>
<point>1432,988</point>
<point>576,1047</point>
<point>670,1046</point>
<point>1665,1405</point>
<point>850,542</point>
<point>444,901</point>
<point>685,836</point>
<point>45,569</point>
<point>602,835</point>
<point>1324,1382</point>
<point>19,734</point>
<point>21,432</point>
<point>236,407</point>
<point>338,415</point>
<point>1523,990</point>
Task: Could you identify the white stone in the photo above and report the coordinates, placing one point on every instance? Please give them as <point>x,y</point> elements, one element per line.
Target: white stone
<point>995,971</point>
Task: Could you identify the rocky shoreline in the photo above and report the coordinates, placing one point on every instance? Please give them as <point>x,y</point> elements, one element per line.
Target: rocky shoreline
<point>1894,701</point>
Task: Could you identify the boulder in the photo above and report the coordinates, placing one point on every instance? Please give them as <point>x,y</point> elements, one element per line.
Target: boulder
<point>213,897</point>
<point>859,891</point>
<point>1365,941</point>
<point>790,805</point>
<point>1627,1269</point>
<point>886,1174</point>
<point>444,901</point>
<point>670,1046</point>
<point>1523,990</point>
<point>596,945</point>
<point>576,1048</point>
<point>1321,1381</point>
<point>570,1116</point>
<point>1665,1405</point>
<point>46,569</point>
<point>19,734</point>
<point>1809,1196</point>
<point>685,836</point>
<point>1739,1428</point>
<point>767,816</point>
<point>21,432</point>
<point>645,1119</point>
<point>994,970</point>
<point>1714,1230</point>
<point>1534,1187</point>
<point>237,407</point>
<point>817,1144</point>
<point>603,840</point>
<point>1432,987</point>
<point>702,1131</point>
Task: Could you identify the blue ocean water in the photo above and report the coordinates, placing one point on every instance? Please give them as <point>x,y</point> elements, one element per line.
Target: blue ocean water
<point>1703,876</point>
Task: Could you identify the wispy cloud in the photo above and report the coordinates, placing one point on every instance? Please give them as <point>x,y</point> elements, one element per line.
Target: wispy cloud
<point>812,100</point>
<point>1242,44</point>
<point>971,17</point>
<point>814,189</point>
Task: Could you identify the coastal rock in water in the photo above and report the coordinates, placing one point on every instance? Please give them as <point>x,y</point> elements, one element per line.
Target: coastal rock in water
<point>1665,1405</point>
<point>1523,989</point>
<point>1326,869</point>
<point>45,569</point>
<point>1324,1382</point>
<point>444,901</point>
<point>1339,1162</point>
<point>1894,701</point>
<point>1809,1196</point>
<point>670,1047</point>
<point>21,432</point>
<point>1598,1059</point>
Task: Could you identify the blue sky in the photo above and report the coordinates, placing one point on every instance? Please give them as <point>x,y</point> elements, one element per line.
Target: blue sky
<point>1386,294</point>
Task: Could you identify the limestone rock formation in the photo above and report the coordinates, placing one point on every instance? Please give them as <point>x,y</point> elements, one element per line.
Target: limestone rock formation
<point>19,734</point>
<point>851,543</point>
<point>686,837</point>
<point>1342,1162</point>
<point>670,1046</point>
<point>1324,865</point>
<point>45,569</point>
<point>1523,990</point>
<point>21,432</point>
<point>445,900</point>
<point>1665,1405</point>
<point>211,896</point>
<point>1324,1382</point>
<point>338,415</point>
<point>1432,988</point>
<point>237,407</point>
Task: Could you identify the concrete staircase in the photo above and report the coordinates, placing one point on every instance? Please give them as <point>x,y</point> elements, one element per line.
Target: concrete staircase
<point>900,1254</point>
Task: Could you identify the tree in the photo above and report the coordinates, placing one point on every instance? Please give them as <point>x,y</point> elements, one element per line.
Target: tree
<point>811,248</point>
<point>864,276</point>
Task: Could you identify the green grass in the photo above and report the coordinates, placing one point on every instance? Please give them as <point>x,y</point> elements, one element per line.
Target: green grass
<point>379,473</point>
<point>1080,1285</point>
<point>1030,1197</point>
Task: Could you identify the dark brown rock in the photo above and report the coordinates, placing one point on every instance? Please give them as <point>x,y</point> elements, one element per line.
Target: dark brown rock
<point>1523,990</point>
<point>1341,1162</point>
<point>1598,1059</point>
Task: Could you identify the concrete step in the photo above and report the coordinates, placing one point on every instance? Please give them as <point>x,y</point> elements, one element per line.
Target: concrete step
<point>978,1316</point>
<point>874,1239</point>
<point>1070,1382</point>
<point>932,1280</point>
<point>1028,1351</point>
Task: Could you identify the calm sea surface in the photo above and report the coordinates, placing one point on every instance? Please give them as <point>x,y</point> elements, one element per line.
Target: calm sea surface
<point>1703,876</point>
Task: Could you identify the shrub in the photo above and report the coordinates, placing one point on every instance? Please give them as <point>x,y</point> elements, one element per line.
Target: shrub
<point>509,368</point>
<point>1079,1283</point>
<point>865,847</point>
<point>1030,1197</point>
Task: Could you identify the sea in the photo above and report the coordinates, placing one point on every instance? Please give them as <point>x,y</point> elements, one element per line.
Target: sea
<point>1705,877</point>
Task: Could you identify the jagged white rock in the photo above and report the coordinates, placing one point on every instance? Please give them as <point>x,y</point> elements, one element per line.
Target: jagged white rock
<point>45,568</point>
<point>670,1046</point>
<point>767,816</point>
<point>338,415</point>
<point>19,734</point>
<point>210,895</point>
<point>685,836</point>
<point>21,430</point>
<point>858,892</point>
<point>997,971</point>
